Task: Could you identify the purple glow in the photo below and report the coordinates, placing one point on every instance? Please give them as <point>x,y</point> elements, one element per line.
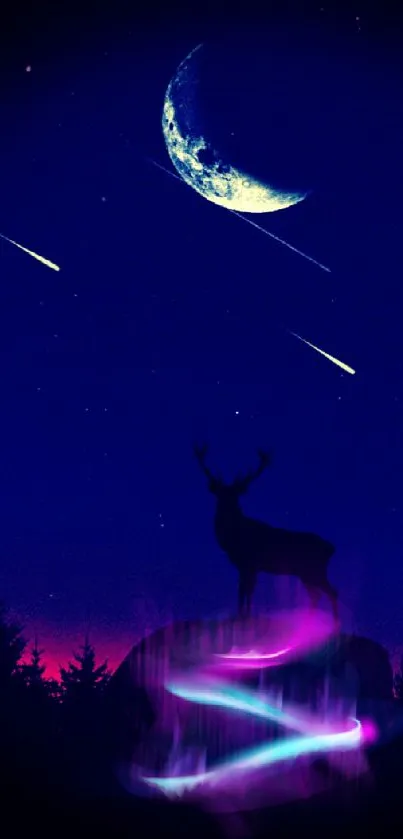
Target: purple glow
<point>370,732</point>
<point>226,784</point>
<point>300,632</point>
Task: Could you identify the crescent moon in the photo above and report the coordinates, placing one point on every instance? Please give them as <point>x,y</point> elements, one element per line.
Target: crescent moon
<point>199,164</point>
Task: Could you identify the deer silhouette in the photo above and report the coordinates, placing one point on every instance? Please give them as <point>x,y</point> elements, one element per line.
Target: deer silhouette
<point>253,546</point>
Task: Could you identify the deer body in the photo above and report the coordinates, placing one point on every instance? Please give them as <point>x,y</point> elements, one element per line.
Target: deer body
<point>253,543</point>
<point>253,546</point>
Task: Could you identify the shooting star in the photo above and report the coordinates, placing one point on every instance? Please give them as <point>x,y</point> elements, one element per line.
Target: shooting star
<point>336,361</point>
<point>31,253</point>
<point>252,223</point>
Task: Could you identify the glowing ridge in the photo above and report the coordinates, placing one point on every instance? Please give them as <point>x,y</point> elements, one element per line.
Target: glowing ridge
<point>263,756</point>
<point>253,658</point>
<point>254,654</point>
<point>226,695</point>
<point>210,685</point>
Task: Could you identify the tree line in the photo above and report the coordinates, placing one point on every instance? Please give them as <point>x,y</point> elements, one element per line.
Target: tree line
<point>50,730</point>
<point>79,681</point>
<point>58,734</point>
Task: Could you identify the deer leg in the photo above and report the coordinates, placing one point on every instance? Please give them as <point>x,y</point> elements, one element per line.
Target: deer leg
<point>241,595</point>
<point>313,594</point>
<point>326,588</point>
<point>246,587</point>
<point>332,594</point>
<point>250,591</point>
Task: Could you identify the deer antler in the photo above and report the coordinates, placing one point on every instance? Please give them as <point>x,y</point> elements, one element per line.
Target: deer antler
<point>201,454</point>
<point>200,451</point>
<point>264,460</point>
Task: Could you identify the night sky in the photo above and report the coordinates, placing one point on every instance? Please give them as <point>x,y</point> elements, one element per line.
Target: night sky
<point>168,320</point>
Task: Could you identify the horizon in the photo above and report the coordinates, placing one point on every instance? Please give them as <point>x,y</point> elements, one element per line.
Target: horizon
<point>58,653</point>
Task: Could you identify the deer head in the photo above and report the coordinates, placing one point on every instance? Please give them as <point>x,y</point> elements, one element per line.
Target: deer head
<point>239,485</point>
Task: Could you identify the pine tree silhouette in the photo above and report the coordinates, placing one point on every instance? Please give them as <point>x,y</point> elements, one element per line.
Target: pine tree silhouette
<point>33,674</point>
<point>82,680</point>
<point>12,646</point>
<point>14,708</point>
<point>38,722</point>
<point>33,671</point>
<point>82,687</point>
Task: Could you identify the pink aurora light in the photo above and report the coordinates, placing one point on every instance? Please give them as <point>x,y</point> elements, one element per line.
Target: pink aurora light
<point>212,684</point>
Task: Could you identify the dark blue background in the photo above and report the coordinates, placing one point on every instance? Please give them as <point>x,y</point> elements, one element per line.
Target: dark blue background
<point>168,323</point>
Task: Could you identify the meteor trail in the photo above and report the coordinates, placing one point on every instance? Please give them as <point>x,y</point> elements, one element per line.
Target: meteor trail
<point>325,354</point>
<point>252,223</point>
<point>281,241</point>
<point>32,253</point>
